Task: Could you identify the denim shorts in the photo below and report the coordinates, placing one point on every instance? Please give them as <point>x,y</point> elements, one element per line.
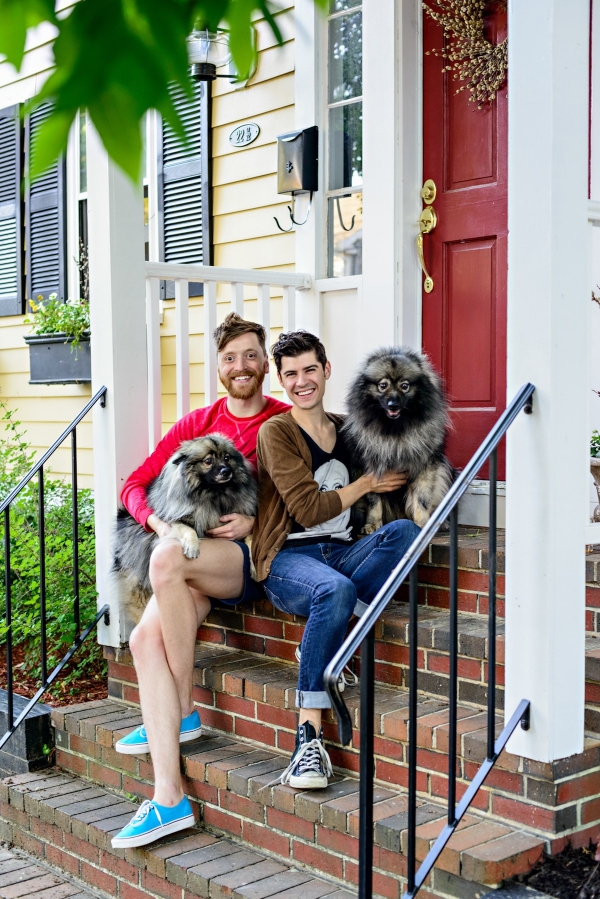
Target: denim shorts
<point>251,592</point>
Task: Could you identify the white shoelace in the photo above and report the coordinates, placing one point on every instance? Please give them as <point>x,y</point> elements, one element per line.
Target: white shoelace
<point>307,758</point>
<point>143,812</point>
<point>347,678</point>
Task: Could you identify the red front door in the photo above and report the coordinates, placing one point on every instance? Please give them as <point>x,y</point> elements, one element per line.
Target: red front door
<point>464,316</point>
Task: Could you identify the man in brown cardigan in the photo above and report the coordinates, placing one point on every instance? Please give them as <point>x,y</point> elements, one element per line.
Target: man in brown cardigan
<point>302,545</point>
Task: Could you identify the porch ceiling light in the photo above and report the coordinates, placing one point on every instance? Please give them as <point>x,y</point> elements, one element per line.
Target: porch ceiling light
<point>207,52</point>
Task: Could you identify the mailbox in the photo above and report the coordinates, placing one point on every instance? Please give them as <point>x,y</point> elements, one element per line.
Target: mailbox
<point>298,161</point>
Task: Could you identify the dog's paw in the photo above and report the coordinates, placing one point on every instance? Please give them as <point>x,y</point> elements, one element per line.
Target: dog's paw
<point>367,529</point>
<point>188,538</point>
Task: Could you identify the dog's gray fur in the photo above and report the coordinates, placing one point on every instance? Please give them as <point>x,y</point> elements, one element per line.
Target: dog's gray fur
<point>397,421</point>
<point>205,479</point>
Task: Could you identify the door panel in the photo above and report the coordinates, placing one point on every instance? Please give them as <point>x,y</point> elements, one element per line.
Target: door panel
<point>464,317</point>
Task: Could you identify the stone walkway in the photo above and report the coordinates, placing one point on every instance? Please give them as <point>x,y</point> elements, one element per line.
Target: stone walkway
<point>21,876</point>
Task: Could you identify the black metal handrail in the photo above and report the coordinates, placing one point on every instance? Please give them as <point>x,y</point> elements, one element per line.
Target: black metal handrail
<point>363,636</point>
<point>104,612</point>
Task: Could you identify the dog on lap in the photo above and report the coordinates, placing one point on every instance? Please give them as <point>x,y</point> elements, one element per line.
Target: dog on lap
<point>307,562</point>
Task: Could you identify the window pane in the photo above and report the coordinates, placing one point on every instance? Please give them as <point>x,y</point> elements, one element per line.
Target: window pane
<point>345,146</point>
<point>345,246</point>
<point>338,5</point>
<point>345,57</point>
<point>82,151</point>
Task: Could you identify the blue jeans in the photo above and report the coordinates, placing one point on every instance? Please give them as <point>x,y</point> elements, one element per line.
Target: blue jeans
<point>326,583</point>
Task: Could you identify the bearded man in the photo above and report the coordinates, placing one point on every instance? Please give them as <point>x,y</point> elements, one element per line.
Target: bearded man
<point>163,643</point>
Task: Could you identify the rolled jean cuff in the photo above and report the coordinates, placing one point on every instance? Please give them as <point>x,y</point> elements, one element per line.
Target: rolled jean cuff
<point>318,699</point>
<point>360,608</point>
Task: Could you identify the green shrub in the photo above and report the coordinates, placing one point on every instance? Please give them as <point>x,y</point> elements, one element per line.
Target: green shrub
<point>15,460</point>
<point>595,445</point>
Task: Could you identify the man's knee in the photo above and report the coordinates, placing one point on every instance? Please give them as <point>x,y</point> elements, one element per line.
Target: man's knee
<point>166,563</point>
<point>145,639</point>
<point>339,595</point>
<point>403,530</point>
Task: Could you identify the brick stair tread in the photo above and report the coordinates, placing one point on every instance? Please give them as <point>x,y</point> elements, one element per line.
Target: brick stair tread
<point>204,864</point>
<point>434,629</point>
<point>230,777</point>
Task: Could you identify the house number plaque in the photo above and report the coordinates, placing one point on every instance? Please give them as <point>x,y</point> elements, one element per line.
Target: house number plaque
<point>244,135</point>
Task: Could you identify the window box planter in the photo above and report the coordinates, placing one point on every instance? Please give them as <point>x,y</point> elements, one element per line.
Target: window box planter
<point>53,361</point>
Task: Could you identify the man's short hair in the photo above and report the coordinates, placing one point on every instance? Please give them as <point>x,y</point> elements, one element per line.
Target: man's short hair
<point>294,343</point>
<point>234,326</point>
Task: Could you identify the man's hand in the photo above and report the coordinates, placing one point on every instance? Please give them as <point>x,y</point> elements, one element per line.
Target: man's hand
<point>235,527</point>
<point>160,527</point>
<point>391,480</point>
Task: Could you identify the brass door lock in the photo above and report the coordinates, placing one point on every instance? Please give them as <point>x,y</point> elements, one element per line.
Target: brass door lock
<point>427,222</point>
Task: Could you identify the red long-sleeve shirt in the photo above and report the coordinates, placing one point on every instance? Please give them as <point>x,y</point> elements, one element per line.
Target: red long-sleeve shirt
<point>215,419</point>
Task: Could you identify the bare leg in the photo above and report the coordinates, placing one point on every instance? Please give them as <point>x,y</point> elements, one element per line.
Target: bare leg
<point>312,715</point>
<point>163,645</point>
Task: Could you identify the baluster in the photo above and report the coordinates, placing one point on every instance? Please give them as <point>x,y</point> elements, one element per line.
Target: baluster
<point>453,693</point>
<point>367,712</point>
<point>210,356</point>
<point>182,347</point>
<point>491,724</point>
<point>8,588</point>
<point>154,373</point>
<point>412,729</point>
<point>75,520</point>
<point>264,317</point>
<point>42,542</point>
<point>237,298</point>
<point>289,308</point>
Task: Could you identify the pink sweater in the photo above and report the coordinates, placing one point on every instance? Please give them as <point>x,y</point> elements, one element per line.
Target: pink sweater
<point>243,432</point>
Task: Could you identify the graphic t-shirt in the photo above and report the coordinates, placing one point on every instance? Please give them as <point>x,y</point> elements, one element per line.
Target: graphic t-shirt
<point>331,471</point>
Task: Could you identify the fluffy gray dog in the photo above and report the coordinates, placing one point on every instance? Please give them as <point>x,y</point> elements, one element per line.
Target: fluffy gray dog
<point>205,479</point>
<point>397,421</point>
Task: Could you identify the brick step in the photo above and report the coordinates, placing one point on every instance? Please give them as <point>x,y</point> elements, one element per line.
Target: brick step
<point>21,875</point>
<point>230,778</point>
<point>592,592</point>
<point>558,801</point>
<point>268,632</point>
<point>66,821</point>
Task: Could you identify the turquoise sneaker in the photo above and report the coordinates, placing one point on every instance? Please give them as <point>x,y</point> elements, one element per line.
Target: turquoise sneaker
<point>154,821</point>
<point>136,743</point>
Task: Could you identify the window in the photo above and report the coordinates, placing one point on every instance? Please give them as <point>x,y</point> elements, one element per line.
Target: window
<point>82,206</point>
<point>344,129</point>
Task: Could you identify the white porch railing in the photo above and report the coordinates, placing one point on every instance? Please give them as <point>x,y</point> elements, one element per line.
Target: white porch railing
<point>210,276</point>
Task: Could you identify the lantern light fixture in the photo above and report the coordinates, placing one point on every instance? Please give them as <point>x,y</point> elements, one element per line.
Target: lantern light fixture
<point>207,52</point>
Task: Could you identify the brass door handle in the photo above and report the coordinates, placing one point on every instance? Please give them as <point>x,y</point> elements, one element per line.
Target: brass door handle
<point>427,222</point>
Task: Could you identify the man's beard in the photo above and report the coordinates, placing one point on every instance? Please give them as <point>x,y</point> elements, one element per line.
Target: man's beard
<point>243,391</point>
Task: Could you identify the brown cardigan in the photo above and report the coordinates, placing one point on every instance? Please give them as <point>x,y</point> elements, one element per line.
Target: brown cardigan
<point>287,490</point>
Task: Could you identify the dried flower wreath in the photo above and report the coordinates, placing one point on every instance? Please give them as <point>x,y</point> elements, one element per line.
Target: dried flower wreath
<point>469,54</point>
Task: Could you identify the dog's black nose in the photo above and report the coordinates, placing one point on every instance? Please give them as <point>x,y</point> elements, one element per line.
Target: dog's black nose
<point>224,473</point>
<point>393,405</point>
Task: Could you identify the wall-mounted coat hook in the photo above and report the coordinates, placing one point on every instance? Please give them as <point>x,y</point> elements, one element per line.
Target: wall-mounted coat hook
<point>292,210</point>
<point>339,212</point>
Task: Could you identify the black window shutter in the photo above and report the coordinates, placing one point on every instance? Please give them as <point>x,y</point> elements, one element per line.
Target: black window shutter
<point>184,186</point>
<point>11,267</point>
<point>45,220</point>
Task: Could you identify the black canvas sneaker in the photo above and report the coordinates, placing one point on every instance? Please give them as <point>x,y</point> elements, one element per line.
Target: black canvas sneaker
<point>310,766</point>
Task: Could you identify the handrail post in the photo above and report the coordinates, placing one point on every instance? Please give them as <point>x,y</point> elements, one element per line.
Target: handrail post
<point>42,543</point>
<point>367,713</point>
<point>412,729</point>
<point>8,587</point>
<point>75,524</point>
<point>492,563</point>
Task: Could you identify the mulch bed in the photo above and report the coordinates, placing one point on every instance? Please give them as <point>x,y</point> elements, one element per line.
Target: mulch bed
<point>91,686</point>
<point>574,874</point>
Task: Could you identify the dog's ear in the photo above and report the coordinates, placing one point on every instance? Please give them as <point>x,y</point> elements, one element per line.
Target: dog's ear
<point>178,459</point>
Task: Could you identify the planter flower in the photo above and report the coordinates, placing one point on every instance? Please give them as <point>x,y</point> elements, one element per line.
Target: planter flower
<point>59,346</point>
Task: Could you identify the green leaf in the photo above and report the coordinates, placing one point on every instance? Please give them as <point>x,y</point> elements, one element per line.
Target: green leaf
<point>115,119</point>
<point>51,141</point>
<point>16,17</point>
<point>241,39</point>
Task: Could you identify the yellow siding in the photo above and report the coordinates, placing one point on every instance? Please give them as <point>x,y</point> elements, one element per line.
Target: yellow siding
<point>244,202</point>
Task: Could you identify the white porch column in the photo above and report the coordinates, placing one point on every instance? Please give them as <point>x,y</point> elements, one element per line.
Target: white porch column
<point>548,300</point>
<point>118,325</point>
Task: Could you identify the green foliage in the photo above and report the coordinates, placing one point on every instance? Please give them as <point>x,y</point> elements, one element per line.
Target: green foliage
<point>15,460</point>
<point>54,317</point>
<point>595,445</point>
<point>116,59</point>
